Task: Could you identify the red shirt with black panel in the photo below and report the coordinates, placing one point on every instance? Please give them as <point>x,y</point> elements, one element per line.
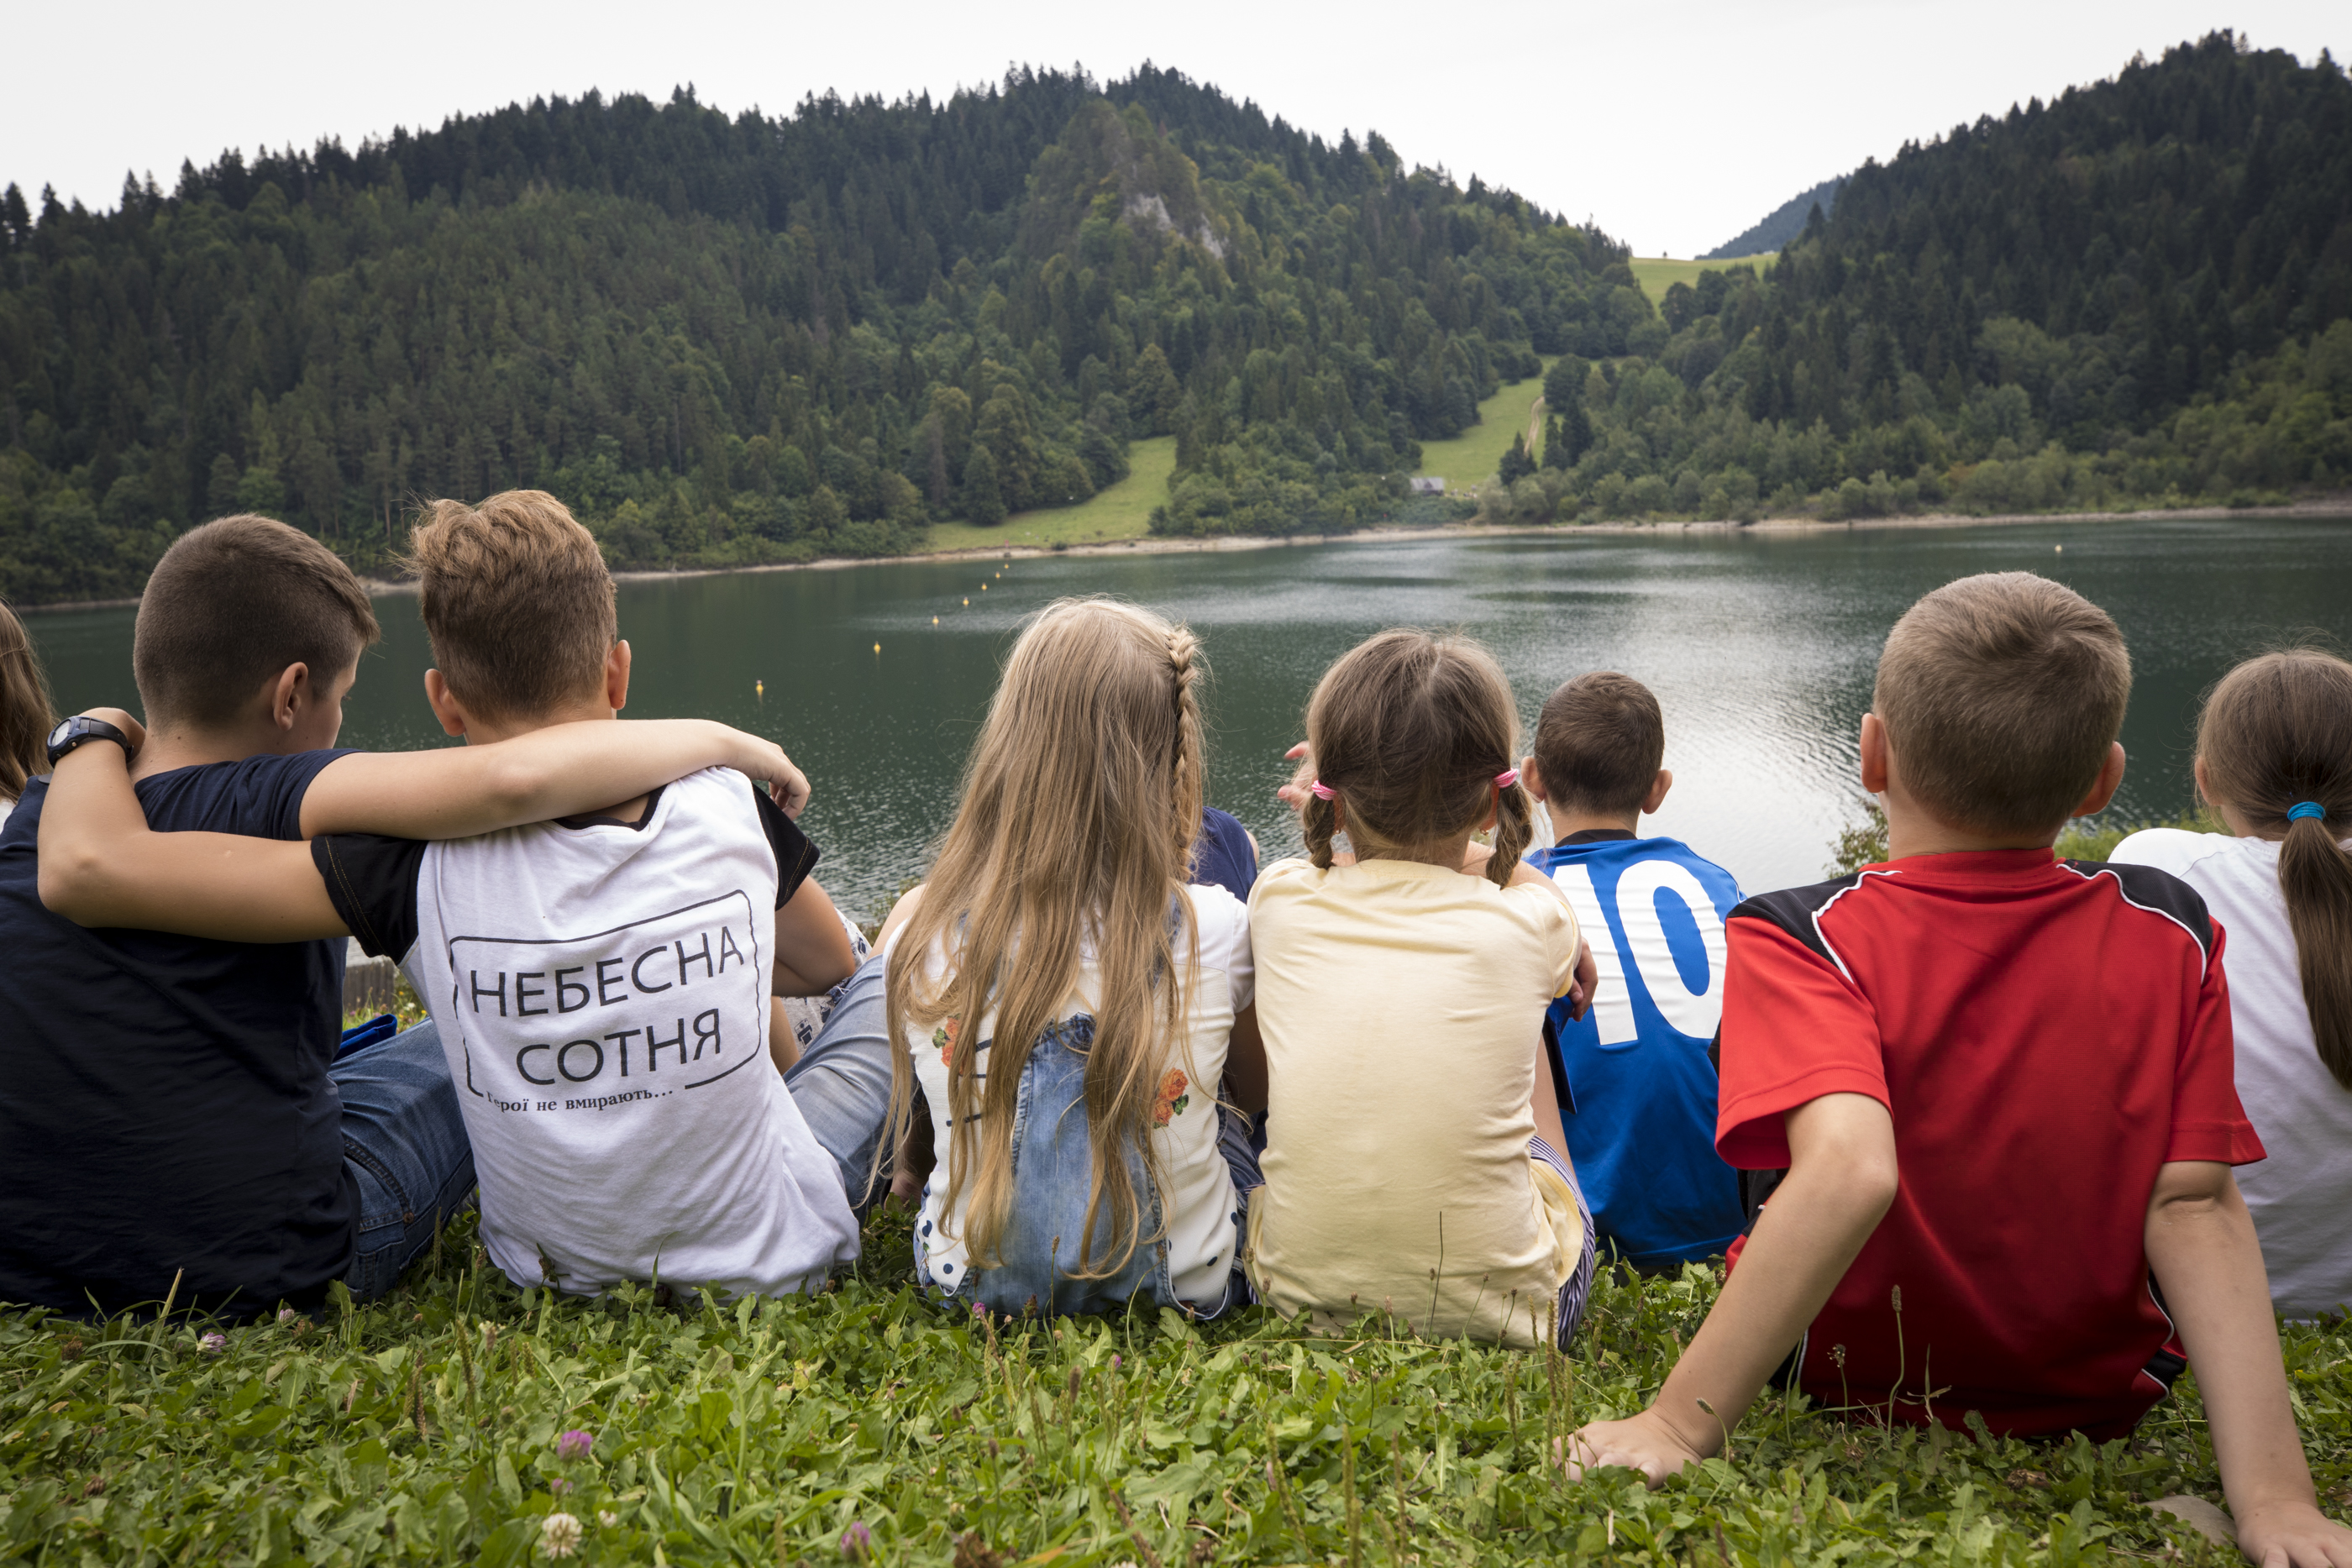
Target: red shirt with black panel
<point>2045,1035</point>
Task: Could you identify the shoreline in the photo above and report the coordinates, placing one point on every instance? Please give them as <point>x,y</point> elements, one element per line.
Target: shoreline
<point>2339,506</point>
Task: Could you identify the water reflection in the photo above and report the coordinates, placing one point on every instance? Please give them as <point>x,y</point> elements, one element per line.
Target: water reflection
<point>1759,646</point>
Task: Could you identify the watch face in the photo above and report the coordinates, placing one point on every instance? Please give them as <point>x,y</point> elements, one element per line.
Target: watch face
<point>64,732</point>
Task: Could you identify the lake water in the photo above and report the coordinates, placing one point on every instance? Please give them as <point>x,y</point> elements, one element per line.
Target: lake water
<point>1759,645</point>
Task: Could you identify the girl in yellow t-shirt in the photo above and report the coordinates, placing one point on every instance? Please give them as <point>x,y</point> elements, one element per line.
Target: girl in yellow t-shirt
<point>1413,1164</point>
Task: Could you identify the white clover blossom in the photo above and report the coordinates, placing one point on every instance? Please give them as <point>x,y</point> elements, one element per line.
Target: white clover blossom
<point>559,1535</point>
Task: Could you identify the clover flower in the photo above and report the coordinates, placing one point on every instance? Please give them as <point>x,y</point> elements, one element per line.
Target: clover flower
<point>858,1542</point>
<point>213,1344</point>
<point>607,1518</point>
<point>574,1445</point>
<point>559,1535</point>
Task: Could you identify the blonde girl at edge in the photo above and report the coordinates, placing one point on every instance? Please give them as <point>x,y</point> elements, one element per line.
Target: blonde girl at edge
<point>1067,1003</point>
<point>1412,1161</point>
<point>2275,763</point>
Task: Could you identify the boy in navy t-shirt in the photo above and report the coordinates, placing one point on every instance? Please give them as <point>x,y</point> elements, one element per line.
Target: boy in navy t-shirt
<point>1643,1129</point>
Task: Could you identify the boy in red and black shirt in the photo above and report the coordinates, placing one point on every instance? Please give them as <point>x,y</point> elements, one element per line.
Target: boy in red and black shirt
<point>2000,1086</point>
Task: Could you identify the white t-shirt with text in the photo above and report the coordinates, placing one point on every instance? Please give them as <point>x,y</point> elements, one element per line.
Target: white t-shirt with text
<point>601,993</point>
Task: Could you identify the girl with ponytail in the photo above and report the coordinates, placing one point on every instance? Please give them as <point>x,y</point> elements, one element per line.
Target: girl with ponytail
<point>1414,1160</point>
<point>2275,763</point>
<point>1066,1004</point>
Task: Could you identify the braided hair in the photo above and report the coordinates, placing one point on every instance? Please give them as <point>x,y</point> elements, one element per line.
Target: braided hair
<point>1413,733</point>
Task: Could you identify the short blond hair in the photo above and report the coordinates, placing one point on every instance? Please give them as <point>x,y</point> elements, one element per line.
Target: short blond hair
<point>2001,694</point>
<point>516,599</point>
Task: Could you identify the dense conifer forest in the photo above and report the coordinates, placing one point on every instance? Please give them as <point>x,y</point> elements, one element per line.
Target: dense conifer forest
<point>742,339</point>
<point>2139,294</point>
<point>735,340</point>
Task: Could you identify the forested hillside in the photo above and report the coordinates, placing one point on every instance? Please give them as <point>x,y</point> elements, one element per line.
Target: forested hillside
<point>1783,224</point>
<point>2138,294</point>
<point>734,340</point>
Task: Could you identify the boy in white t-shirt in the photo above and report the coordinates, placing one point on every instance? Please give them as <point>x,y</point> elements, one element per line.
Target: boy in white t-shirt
<point>601,983</point>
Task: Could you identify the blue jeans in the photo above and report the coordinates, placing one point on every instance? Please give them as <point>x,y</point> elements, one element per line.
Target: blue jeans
<point>841,1085</point>
<point>404,1144</point>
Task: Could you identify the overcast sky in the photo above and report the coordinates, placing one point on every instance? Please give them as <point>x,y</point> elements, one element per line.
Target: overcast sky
<point>1674,126</point>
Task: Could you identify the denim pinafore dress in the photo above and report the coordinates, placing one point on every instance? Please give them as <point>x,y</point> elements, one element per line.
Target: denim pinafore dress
<point>1053,1173</point>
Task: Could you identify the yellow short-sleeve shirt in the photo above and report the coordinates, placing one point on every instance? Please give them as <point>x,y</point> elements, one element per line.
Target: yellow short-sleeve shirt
<point>1403,1008</point>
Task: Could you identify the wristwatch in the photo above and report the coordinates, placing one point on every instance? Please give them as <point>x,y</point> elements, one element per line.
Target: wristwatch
<point>74,731</point>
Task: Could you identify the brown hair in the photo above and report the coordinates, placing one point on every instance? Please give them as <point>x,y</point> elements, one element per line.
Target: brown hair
<point>516,599</point>
<point>26,718</point>
<point>2276,732</point>
<point>1095,714</point>
<point>1410,730</point>
<point>233,603</point>
<point>1600,743</point>
<point>2001,694</point>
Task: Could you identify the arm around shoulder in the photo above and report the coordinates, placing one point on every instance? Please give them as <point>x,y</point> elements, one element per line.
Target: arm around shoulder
<point>101,865</point>
<point>456,792</point>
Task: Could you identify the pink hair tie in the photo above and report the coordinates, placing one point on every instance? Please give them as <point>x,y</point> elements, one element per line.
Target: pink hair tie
<point>1506,778</point>
<point>1323,792</point>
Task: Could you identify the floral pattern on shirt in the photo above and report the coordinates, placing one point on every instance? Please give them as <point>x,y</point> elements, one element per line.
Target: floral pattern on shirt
<point>943,1039</point>
<point>1172,1099</point>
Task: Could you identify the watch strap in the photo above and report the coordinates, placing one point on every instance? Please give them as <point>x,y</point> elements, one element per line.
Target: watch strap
<point>80,730</point>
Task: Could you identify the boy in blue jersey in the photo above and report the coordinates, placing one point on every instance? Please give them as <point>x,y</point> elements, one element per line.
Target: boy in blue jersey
<point>1642,1127</point>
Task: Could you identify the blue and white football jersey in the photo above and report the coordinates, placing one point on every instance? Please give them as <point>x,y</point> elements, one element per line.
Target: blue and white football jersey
<point>1642,1133</point>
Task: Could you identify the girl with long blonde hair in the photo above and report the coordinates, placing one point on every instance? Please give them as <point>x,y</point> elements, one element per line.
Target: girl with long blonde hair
<point>1067,1002</point>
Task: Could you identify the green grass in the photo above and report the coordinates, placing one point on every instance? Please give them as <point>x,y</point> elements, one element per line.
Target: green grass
<point>1655,274</point>
<point>1121,512</point>
<point>424,1428</point>
<point>1472,457</point>
<point>2084,839</point>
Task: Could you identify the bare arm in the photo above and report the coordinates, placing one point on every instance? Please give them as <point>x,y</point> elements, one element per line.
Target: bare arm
<point>813,950</point>
<point>1841,1177</point>
<point>2201,1246</point>
<point>101,865</point>
<point>457,791</point>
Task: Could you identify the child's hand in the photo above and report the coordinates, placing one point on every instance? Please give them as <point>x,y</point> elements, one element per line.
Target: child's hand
<point>2294,1535</point>
<point>765,763</point>
<point>1294,794</point>
<point>121,721</point>
<point>1644,1442</point>
<point>1588,975</point>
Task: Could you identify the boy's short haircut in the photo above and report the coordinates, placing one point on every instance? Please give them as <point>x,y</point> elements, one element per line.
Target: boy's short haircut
<point>1600,743</point>
<point>516,599</point>
<point>2001,694</point>
<point>230,605</point>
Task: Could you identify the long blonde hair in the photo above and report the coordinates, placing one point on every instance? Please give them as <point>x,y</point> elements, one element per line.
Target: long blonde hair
<point>1081,800</point>
<point>25,716</point>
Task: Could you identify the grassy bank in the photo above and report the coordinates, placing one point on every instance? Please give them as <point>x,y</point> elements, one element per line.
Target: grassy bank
<point>427,1428</point>
<point>1122,511</point>
<point>1658,273</point>
<point>1471,458</point>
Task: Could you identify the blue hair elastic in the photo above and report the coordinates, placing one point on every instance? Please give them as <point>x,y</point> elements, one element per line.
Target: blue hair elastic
<point>2302,808</point>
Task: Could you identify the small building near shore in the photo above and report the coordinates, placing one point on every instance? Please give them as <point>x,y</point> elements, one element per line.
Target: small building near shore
<point>1426,486</point>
